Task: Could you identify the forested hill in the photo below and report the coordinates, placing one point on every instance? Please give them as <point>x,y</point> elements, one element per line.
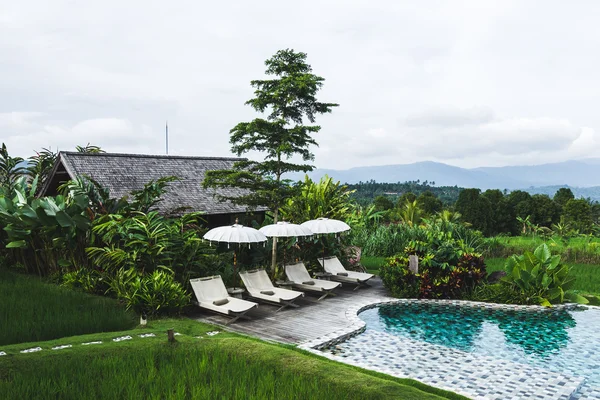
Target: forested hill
<point>575,173</point>
<point>365,192</point>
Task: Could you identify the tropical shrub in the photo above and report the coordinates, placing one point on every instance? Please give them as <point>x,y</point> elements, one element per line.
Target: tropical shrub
<point>448,268</point>
<point>150,294</point>
<point>88,280</point>
<point>43,234</point>
<point>326,198</point>
<point>389,240</point>
<point>540,278</point>
<point>147,242</point>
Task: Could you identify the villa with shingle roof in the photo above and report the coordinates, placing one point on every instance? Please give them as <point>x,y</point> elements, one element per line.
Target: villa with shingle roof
<point>122,174</point>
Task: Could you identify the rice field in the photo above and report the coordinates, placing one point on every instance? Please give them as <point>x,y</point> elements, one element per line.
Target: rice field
<point>197,366</point>
<point>576,250</point>
<point>33,310</point>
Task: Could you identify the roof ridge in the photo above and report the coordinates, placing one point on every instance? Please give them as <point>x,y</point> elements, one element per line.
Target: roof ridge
<point>163,156</point>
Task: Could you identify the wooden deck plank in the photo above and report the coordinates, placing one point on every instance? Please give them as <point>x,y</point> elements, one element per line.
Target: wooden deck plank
<point>311,320</point>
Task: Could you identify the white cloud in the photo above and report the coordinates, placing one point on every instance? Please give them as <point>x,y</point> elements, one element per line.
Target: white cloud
<point>112,134</point>
<point>470,144</point>
<point>450,116</point>
<point>467,82</point>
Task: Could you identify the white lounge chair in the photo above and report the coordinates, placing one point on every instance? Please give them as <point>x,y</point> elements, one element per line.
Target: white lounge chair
<point>260,287</point>
<point>212,295</point>
<point>298,274</point>
<point>338,273</point>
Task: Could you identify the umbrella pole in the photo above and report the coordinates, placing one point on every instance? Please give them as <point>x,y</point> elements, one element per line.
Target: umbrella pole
<point>323,253</point>
<point>234,267</point>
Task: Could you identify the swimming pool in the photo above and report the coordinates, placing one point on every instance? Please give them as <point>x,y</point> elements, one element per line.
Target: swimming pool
<point>564,342</point>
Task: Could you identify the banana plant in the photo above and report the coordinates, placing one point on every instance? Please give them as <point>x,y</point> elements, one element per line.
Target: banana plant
<point>43,233</point>
<point>10,168</point>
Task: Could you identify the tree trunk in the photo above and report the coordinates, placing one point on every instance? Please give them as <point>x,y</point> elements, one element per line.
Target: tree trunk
<point>275,218</point>
<point>274,252</point>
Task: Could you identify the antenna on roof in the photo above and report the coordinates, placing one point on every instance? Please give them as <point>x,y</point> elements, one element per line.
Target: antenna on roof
<point>167,137</point>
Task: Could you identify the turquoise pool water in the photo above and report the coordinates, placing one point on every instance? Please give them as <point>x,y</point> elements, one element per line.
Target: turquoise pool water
<point>559,341</point>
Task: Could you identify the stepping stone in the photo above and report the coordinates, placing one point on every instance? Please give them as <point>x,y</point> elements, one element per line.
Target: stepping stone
<point>32,350</point>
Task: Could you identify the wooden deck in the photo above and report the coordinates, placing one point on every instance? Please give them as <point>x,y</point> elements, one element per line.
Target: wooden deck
<point>295,325</point>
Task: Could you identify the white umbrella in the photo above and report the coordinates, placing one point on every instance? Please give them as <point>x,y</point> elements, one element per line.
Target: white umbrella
<point>326,225</point>
<point>235,233</point>
<point>285,229</point>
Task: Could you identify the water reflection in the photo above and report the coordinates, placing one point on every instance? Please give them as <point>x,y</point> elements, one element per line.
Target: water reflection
<point>537,333</point>
<point>541,334</point>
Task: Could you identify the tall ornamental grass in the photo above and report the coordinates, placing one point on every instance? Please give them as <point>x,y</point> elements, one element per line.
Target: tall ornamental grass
<point>33,310</point>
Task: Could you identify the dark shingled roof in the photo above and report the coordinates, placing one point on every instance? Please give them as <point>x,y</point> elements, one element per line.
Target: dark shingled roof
<point>124,173</point>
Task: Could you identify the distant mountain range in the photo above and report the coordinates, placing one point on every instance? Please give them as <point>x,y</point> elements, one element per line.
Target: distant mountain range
<point>583,176</point>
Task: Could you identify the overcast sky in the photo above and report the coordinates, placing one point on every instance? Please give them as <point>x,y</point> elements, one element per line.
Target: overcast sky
<point>469,83</point>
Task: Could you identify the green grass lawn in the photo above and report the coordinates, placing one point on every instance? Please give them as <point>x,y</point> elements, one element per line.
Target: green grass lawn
<point>225,366</point>
<point>197,366</point>
<point>372,264</point>
<point>32,310</point>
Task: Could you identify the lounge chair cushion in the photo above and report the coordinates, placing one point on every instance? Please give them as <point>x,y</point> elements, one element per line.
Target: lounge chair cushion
<point>268,292</point>
<point>308,282</point>
<point>342,273</point>
<point>220,302</point>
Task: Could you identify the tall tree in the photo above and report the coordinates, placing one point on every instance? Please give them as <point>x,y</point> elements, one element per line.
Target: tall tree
<point>288,99</point>
<point>429,203</point>
<point>578,213</point>
<point>475,209</point>
<point>545,211</point>
<point>503,215</point>
<point>562,196</point>
<point>383,203</point>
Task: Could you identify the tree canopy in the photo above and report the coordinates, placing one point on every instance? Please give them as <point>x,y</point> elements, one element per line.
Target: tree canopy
<point>289,99</point>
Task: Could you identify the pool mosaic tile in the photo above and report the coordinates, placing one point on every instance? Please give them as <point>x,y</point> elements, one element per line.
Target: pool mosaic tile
<point>482,374</point>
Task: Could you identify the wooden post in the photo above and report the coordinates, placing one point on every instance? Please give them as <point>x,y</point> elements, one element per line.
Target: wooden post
<point>413,264</point>
<point>171,335</point>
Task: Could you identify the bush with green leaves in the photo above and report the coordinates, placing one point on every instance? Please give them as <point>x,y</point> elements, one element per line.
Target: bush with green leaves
<point>87,280</point>
<point>540,278</point>
<point>392,239</point>
<point>147,242</point>
<point>43,234</point>
<point>153,293</point>
<point>448,268</point>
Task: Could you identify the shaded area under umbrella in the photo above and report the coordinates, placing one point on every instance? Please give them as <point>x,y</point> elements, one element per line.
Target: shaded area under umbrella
<point>286,230</point>
<point>235,234</point>
<point>324,226</point>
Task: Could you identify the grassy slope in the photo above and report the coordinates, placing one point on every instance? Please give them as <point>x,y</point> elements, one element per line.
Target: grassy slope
<point>223,366</point>
<point>35,310</point>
